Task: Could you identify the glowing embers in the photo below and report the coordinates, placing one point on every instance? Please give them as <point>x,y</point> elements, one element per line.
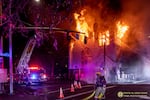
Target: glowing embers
<point>104,38</point>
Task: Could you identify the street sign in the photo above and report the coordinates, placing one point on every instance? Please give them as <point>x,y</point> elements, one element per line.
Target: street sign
<point>4,55</point>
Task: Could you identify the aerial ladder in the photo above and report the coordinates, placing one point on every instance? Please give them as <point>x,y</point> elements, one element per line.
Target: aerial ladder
<point>26,55</point>
<point>26,74</point>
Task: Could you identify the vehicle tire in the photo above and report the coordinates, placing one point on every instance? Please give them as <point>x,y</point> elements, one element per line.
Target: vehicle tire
<point>28,84</point>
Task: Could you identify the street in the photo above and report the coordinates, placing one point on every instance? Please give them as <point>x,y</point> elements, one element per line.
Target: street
<point>51,91</point>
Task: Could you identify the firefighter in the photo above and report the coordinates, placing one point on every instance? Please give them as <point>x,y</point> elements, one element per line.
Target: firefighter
<point>100,86</point>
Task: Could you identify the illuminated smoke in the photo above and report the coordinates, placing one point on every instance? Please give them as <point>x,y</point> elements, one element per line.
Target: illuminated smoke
<point>136,14</point>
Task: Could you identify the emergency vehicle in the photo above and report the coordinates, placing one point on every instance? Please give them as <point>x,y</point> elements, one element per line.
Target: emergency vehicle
<point>26,74</point>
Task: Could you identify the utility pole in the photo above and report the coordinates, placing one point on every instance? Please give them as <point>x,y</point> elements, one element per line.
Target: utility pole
<point>0,12</point>
<point>1,49</point>
<point>1,38</point>
<point>10,50</point>
<point>104,54</point>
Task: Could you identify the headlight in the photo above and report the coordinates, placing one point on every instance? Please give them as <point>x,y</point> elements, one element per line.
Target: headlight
<point>44,76</point>
<point>33,76</point>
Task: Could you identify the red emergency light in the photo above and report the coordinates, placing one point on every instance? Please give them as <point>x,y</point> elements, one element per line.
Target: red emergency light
<point>35,68</point>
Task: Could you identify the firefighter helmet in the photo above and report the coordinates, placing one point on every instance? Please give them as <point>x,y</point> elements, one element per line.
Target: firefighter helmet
<point>98,73</point>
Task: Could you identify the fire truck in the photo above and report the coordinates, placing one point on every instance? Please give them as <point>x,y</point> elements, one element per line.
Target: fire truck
<point>26,74</point>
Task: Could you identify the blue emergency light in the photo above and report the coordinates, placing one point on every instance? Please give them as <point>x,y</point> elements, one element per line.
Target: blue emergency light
<point>33,76</point>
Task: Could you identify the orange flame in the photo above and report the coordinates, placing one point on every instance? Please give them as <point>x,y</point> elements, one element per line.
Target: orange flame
<point>121,30</point>
<point>104,38</point>
<point>84,24</point>
<point>81,23</point>
<point>121,33</point>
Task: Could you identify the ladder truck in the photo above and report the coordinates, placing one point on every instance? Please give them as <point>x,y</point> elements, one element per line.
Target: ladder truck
<point>29,75</point>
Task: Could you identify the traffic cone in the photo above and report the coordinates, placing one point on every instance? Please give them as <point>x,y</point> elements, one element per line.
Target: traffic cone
<point>75,84</point>
<point>79,85</point>
<point>72,88</point>
<point>61,95</point>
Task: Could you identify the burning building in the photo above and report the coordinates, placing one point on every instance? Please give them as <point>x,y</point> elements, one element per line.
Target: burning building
<point>115,41</point>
